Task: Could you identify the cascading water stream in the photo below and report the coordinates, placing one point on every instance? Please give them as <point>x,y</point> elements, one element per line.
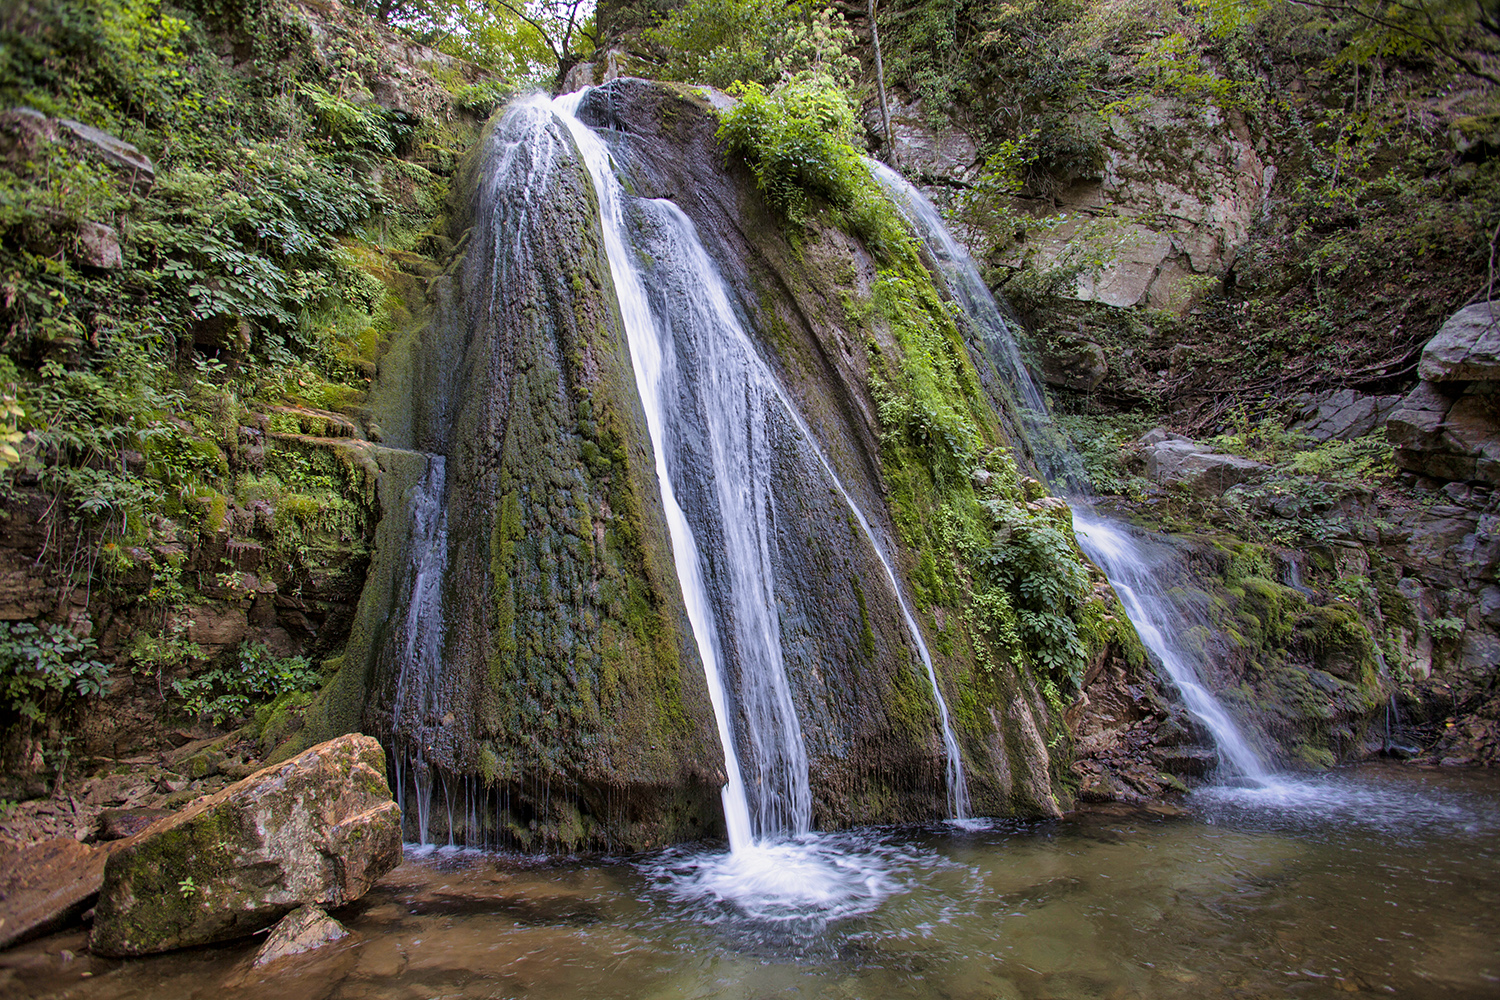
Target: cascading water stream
<point>421,638</point>
<point>1110,545</point>
<point>689,301</point>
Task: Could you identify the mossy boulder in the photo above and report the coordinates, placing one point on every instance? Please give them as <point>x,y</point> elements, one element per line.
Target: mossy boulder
<point>317,829</point>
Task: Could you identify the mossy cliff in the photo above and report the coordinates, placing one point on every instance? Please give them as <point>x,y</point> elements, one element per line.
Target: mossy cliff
<point>859,336</point>
<point>554,695</point>
<point>558,684</point>
<point>214,217</point>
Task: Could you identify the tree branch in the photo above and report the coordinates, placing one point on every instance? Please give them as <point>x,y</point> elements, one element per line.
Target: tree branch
<point>1435,41</point>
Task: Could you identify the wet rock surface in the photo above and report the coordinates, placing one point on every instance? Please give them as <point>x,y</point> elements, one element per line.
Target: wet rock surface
<point>305,929</point>
<point>318,829</point>
<point>47,886</point>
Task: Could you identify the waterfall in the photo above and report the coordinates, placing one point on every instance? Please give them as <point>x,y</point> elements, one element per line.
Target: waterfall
<point>713,405</point>
<point>1135,576</point>
<point>420,641</point>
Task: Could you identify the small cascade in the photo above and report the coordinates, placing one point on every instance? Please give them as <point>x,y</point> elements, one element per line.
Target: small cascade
<point>1135,578</point>
<point>1137,582</point>
<point>689,348</point>
<point>420,641</point>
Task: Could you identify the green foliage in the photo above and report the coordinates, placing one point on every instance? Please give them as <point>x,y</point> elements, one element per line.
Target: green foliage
<point>722,42</point>
<point>1036,564</point>
<point>799,141</point>
<point>1446,630</point>
<point>1103,444</point>
<point>230,692</point>
<point>43,667</point>
<point>1015,70</point>
<point>261,267</point>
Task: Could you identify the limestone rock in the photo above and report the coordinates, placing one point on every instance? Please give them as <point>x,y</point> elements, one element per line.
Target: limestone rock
<point>579,76</point>
<point>1466,348</point>
<point>1342,415</point>
<point>945,155</point>
<point>1126,280</point>
<point>305,929</point>
<point>1182,461</point>
<point>319,828</point>
<point>112,150</point>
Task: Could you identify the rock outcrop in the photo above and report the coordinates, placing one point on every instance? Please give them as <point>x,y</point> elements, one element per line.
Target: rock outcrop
<point>1448,427</point>
<point>46,886</point>
<point>318,829</point>
<point>1342,415</point>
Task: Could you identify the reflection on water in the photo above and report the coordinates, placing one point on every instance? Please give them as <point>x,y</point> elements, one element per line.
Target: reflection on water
<point>1383,881</point>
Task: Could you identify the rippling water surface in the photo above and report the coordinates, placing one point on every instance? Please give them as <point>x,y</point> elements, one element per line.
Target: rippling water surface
<point>1380,880</point>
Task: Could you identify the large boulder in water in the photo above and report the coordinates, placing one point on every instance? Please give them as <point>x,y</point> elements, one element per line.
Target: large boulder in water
<point>317,829</point>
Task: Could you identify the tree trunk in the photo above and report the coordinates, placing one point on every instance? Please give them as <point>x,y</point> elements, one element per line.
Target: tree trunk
<point>885,111</point>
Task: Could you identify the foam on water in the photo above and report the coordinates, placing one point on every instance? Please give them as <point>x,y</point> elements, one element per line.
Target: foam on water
<point>800,883</point>
<point>1339,799</point>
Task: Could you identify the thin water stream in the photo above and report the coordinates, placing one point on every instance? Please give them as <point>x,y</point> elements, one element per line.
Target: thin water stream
<point>1375,881</point>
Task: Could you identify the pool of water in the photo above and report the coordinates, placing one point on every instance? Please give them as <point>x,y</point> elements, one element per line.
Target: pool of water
<point>1382,880</point>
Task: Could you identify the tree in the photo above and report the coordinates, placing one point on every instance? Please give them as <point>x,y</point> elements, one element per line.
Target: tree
<point>1465,34</point>
<point>885,111</point>
<point>719,42</point>
<point>566,27</point>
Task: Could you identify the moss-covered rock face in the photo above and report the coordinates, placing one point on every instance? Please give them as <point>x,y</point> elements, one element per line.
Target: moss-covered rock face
<point>857,333</point>
<point>521,643</point>
<point>1299,663</point>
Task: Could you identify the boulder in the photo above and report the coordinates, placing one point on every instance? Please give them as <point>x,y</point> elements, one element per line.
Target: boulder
<point>317,829</point>
<point>305,929</point>
<point>1342,415</point>
<point>1453,437</point>
<point>113,150</point>
<point>1466,348</point>
<point>1073,363</point>
<point>24,131</point>
<point>1177,460</point>
<point>99,246</point>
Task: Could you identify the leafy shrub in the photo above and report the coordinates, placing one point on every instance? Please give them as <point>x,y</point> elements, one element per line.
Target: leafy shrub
<point>42,667</point>
<point>222,693</point>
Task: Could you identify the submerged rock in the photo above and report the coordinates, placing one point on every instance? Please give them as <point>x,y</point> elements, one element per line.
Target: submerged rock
<point>320,828</point>
<point>305,929</point>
